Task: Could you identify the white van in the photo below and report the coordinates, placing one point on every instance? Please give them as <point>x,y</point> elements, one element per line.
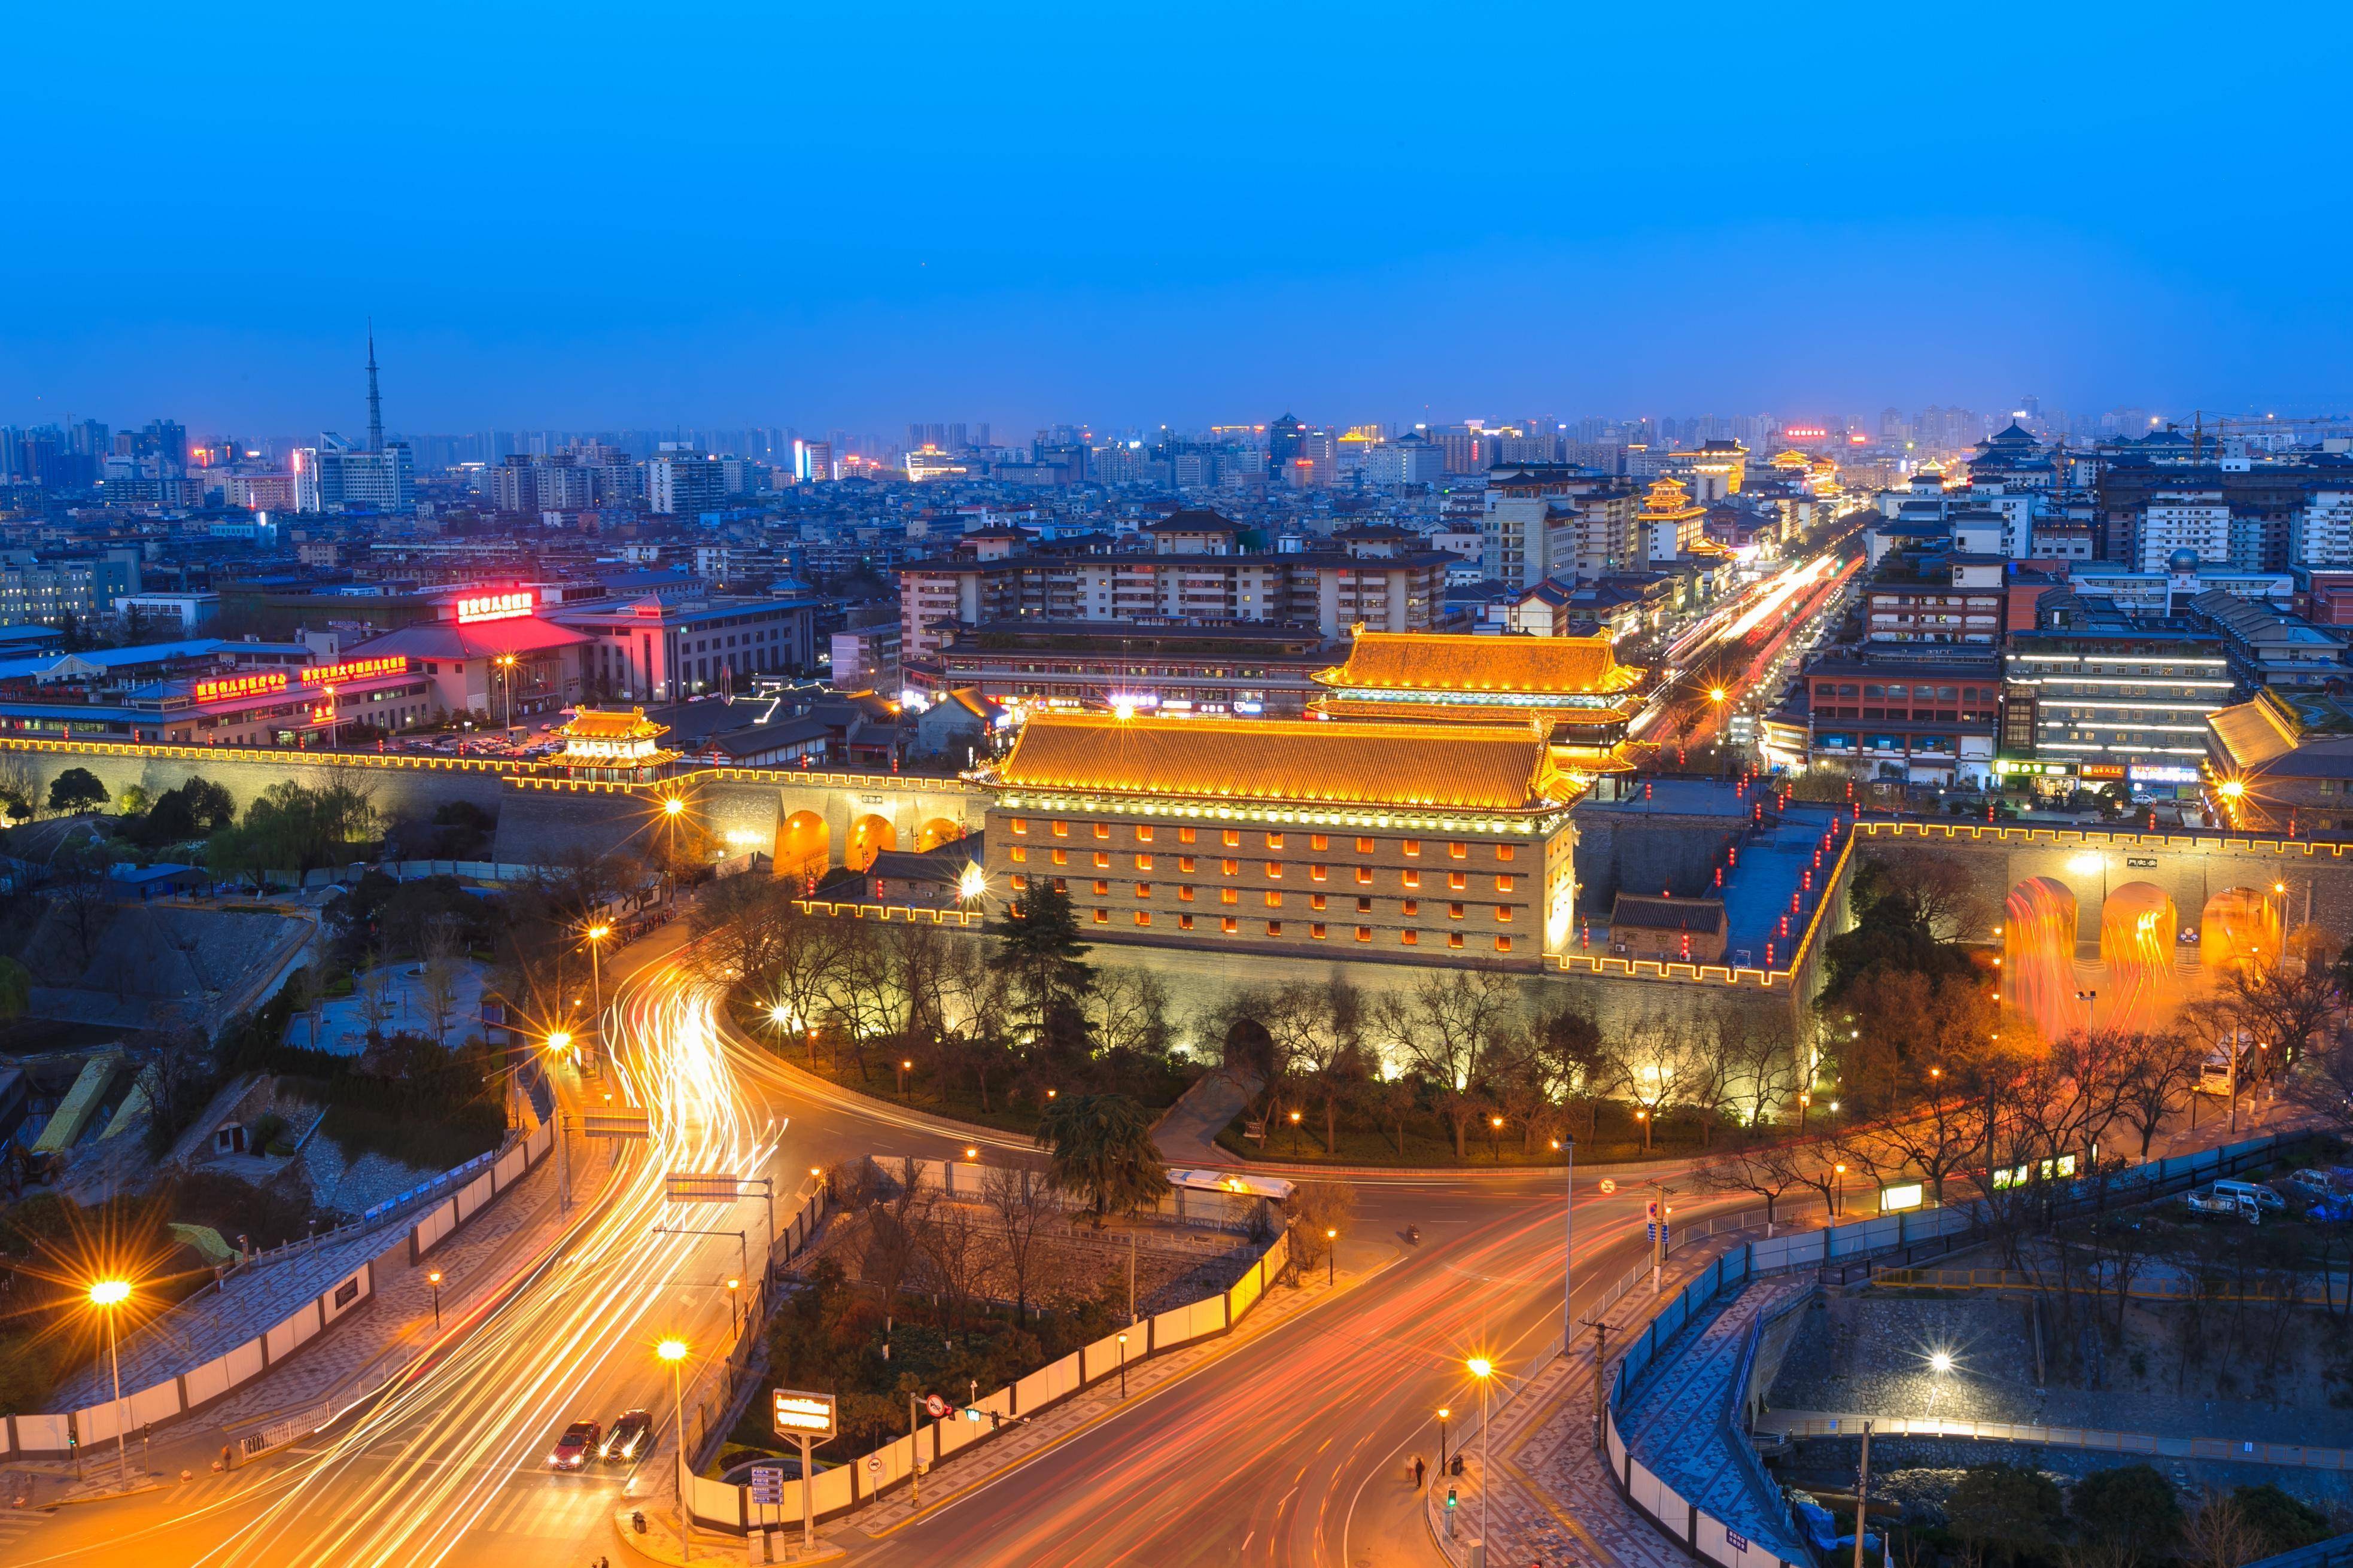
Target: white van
<point>2251,1192</point>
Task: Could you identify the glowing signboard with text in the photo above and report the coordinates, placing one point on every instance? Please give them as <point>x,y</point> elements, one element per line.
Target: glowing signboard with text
<point>263,683</point>
<point>505,606</point>
<point>354,670</point>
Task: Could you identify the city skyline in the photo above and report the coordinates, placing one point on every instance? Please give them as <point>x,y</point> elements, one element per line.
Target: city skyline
<point>798,220</point>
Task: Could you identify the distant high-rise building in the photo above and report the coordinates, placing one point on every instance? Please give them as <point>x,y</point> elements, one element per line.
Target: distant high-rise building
<point>684,484</point>
<point>813,462</point>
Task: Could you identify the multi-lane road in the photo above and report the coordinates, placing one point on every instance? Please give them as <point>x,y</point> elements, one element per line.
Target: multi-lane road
<point>1290,1448</point>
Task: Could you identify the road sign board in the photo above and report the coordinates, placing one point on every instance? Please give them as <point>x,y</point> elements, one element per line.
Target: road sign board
<point>874,1463</point>
<point>702,1187</point>
<point>768,1485</point>
<point>802,1415</point>
<point>1607,1186</point>
<point>615,1124</point>
<point>935,1406</point>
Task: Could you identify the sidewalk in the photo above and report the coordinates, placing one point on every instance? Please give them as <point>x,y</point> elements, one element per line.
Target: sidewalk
<point>1555,1502</point>
<point>359,1354</point>
<point>984,1462</point>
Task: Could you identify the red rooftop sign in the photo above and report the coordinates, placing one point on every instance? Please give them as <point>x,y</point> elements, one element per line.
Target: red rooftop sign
<point>505,606</point>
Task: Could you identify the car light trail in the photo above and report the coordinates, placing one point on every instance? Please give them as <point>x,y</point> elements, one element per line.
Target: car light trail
<point>483,1412</point>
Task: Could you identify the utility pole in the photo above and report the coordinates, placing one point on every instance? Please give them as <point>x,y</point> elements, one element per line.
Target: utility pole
<point>1862,1491</point>
<point>1600,1367</point>
<point>1567,1238</point>
<point>914,1459</point>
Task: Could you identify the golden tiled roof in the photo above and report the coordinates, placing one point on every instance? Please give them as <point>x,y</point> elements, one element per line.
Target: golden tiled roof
<point>1438,661</point>
<point>1438,767</point>
<point>2251,733</point>
<point>1440,711</point>
<point>612,724</point>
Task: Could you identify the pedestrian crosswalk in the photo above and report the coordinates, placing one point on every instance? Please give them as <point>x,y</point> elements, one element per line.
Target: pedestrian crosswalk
<point>15,1524</point>
<point>553,1508</point>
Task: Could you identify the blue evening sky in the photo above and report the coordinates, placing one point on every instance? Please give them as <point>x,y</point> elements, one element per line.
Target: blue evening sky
<point>594,213</point>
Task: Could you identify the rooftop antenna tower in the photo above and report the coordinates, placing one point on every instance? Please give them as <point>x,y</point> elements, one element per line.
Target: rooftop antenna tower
<point>376,400</point>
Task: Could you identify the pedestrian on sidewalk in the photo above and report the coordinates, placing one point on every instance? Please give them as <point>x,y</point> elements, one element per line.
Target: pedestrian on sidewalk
<point>1417,1470</point>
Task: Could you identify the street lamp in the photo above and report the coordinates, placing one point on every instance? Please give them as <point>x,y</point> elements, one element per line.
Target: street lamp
<point>1442,1413</point>
<point>1482,1369</point>
<point>1840,1171</point>
<point>106,1295</point>
<point>597,934</point>
<point>732,1286</point>
<point>506,662</point>
<point>434,1278</point>
<point>673,804</point>
<point>1331,1255</point>
<point>1122,1366</point>
<point>674,1351</point>
<point>1644,1118</point>
<point>906,1077</point>
<point>558,1042</point>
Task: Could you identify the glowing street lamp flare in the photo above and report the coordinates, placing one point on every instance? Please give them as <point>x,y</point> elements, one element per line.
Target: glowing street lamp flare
<point>1481,1366</point>
<point>559,1039</point>
<point>110,1292</point>
<point>673,804</point>
<point>672,1350</point>
<point>1940,1362</point>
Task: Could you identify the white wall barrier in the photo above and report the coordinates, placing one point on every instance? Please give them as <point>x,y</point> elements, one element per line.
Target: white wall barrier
<point>201,1384</point>
<point>857,1481</point>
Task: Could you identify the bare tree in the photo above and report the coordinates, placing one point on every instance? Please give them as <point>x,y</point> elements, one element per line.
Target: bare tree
<point>891,1216</point>
<point>1130,1012</point>
<point>1018,1199</point>
<point>950,1236</point>
<point>1317,1208</point>
<point>2218,1534</point>
<point>376,1003</point>
<point>1760,1056</point>
<point>438,977</point>
<point>2157,1076</point>
<point>1456,1029</point>
<point>808,952</point>
<point>1771,1171</point>
<point>736,926</point>
<point>1653,1061</point>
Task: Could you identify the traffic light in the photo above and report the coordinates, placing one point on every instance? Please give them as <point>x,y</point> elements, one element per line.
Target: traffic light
<point>1450,1497</point>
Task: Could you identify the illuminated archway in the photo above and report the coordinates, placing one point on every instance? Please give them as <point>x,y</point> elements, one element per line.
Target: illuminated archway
<point>804,849</point>
<point>2238,927</point>
<point>2139,926</point>
<point>2037,954</point>
<point>869,836</point>
<point>939,830</point>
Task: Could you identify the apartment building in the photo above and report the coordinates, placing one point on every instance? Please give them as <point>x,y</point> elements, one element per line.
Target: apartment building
<point>1190,567</point>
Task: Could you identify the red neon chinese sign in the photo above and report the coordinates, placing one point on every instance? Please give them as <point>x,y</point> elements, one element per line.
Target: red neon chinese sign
<point>264,684</point>
<point>497,607</point>
<point>355,670</point>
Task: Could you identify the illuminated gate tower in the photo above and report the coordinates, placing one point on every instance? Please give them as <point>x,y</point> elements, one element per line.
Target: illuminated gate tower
<point>608,743</point>
<point>1571,690</point>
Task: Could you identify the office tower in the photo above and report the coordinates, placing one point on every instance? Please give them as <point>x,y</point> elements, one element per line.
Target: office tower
<point>1281,446</point>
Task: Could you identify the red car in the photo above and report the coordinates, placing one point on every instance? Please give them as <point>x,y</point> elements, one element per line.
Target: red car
<point>576,1447</point>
